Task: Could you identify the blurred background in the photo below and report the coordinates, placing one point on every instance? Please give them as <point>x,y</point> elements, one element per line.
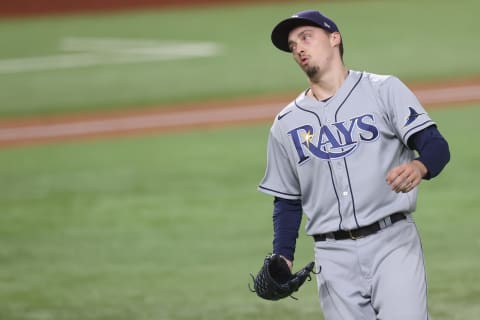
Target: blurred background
<point>169,226</point>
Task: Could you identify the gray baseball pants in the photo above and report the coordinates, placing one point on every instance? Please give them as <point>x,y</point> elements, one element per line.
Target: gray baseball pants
<point>379,277</point>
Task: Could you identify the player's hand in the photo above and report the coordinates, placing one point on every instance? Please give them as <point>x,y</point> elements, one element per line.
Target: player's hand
<point>407,176</point>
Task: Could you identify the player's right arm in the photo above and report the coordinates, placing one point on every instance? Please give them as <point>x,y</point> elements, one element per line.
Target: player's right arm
<point>287,217</point>
<point>281,181</point>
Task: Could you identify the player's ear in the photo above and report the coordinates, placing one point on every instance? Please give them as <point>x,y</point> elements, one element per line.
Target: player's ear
<point>335,39</point>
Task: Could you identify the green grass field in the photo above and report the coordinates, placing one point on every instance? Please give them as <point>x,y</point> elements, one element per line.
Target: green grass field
<point>416,40</point>
<point>168,227</point>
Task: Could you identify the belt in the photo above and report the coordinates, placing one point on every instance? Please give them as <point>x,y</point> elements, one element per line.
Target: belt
<point>362,231</point>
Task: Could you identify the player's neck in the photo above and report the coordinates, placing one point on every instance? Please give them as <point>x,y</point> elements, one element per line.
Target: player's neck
<point>327,84</point>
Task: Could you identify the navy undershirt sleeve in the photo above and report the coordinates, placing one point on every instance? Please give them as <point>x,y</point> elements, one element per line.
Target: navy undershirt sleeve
<point>432,148</point>
<point>287,217</point>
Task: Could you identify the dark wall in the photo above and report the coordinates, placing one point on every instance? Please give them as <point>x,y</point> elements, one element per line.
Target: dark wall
<point>48,7</point>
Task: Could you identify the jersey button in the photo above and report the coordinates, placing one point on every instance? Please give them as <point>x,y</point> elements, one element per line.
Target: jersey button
<point>345,193</point>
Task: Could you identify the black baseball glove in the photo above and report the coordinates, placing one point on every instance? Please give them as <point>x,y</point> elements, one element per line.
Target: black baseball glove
<point>275,281</point>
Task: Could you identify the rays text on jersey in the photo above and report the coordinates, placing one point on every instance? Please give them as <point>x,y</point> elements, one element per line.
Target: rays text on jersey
<point>334,141</point>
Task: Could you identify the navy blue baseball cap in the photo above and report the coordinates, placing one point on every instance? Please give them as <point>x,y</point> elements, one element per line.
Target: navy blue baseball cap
<point>304,18</point>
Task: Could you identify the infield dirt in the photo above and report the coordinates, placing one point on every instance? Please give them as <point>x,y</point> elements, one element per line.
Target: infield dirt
<point>161,119</point>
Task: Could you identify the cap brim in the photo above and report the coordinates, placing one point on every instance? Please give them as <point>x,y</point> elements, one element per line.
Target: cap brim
<point>282,30</point>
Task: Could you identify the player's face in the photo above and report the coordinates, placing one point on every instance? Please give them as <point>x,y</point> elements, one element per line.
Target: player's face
<point>312,48</point>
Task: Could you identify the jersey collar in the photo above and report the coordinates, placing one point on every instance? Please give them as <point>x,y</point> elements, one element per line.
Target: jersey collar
<point>305,101</point>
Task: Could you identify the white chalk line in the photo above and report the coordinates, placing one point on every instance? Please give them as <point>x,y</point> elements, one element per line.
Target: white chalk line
<point>167,120</point>
<point>86,52</point>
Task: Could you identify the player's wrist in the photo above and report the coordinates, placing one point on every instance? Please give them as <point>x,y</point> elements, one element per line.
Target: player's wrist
<point>421,167</point>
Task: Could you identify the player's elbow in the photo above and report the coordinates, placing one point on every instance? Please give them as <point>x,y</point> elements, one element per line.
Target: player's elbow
<point>436,159</point>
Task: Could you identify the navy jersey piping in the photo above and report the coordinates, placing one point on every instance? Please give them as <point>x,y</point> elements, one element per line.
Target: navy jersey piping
<point>406,133</point>
<point>279,192</point>
<point>336,195</point>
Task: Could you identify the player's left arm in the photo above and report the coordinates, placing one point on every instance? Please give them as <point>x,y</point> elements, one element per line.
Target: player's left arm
<point>434,154</point>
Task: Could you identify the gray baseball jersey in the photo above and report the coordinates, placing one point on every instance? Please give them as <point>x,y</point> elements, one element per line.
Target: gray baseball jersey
<point>335,155</point>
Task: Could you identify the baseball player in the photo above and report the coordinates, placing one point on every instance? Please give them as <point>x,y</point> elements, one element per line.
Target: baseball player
<point>349,152</point>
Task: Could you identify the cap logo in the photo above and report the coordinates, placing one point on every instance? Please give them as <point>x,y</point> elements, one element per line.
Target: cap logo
<point>327,25</point>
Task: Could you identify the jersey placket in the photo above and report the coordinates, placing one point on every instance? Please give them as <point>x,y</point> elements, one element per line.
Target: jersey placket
<point>340,177</point>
